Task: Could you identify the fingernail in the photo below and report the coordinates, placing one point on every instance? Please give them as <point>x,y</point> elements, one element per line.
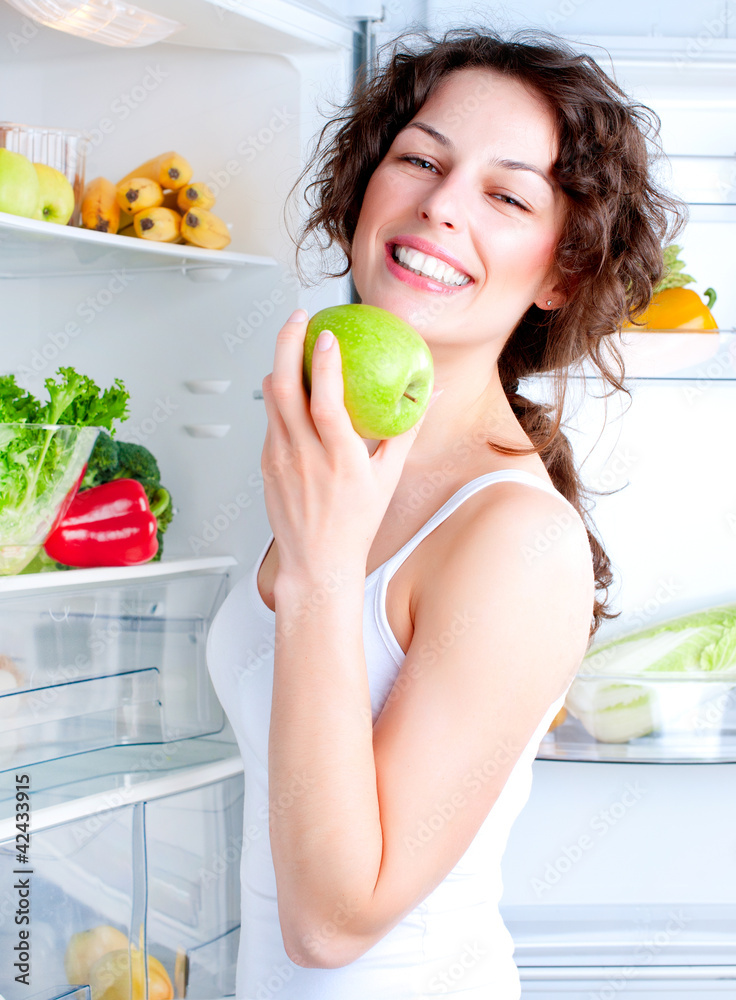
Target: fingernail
<point>298,316</point>
<point>324,341</point>
<point>434,397</point>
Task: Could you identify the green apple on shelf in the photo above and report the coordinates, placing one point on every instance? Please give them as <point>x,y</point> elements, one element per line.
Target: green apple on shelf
<point>56,199</point>
<point>20,188</point>
<point>387,367</point>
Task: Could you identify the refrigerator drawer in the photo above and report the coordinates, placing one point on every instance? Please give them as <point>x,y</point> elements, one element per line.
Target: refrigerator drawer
<point>155,864</point>
<point>631,982</point>
<point>106,663</point>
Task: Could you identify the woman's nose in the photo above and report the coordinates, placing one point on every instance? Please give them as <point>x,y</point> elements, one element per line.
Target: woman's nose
<point>445,204</point>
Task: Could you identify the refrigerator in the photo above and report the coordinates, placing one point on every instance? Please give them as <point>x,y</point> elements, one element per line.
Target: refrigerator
<point>120,782</point>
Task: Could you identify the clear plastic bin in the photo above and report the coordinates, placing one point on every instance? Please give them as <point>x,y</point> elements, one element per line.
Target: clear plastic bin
<point>85,668</point>
<point>61,452</point>
<point>63,149</point>
<point>139,869</point>
<point>675,718</point>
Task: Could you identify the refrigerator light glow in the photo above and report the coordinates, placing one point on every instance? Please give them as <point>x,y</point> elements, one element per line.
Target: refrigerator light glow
<point>107,21</point>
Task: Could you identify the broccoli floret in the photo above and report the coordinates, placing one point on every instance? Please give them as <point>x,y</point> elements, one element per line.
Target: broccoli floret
<point>103,462</point>
<point>136,462</point>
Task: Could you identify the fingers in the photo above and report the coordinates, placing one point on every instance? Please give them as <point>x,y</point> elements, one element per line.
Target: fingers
<point>327,404</point>
<point>286,387</point>
<point>275,420</point>
<point>391,453</point>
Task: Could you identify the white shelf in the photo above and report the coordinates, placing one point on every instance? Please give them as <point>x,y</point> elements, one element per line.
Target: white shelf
<point>62,579</point>
<point>31,248</point>
<point>72,788</point>
<point>270,26</point>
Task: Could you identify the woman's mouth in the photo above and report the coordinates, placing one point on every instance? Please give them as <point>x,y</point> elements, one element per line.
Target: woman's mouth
<point>429,272</point>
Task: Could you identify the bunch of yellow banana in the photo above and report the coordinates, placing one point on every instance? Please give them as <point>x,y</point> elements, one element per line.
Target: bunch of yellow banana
<point>156,201</point>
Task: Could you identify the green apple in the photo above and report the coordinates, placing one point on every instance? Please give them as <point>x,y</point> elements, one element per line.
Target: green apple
<point>387,367</point>
<point>56,200</point>
<point>19,187</point>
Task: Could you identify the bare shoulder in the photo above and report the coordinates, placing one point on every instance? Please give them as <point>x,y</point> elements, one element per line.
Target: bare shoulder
<point>523,555</point>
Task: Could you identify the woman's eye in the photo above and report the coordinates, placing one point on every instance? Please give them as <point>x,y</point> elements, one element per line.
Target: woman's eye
<point>508,200</point>
<point>418,160</point>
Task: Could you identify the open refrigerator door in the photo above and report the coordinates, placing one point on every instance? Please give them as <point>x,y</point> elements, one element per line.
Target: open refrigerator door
<point>121,826</point>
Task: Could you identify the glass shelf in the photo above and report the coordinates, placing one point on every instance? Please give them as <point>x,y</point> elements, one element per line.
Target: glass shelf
<point>86,578</point>
<point>684,720</point>
<point>677,356</point>
<point>31,249</point>
<point>81,785</point>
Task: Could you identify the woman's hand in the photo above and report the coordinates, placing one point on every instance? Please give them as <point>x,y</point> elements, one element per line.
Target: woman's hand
<point>325,496</point>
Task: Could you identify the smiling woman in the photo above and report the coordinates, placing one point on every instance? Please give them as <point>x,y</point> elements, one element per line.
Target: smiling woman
<point>407,635</point>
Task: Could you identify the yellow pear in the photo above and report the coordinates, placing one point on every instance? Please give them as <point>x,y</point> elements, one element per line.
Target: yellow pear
<point>119,975</point>
<point>85,948</point>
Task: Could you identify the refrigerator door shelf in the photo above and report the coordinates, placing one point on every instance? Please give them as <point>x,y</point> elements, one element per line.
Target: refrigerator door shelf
<point>106,664</point>
<point>34,249</point>
<point>163,864</point>
<point>91,783</point>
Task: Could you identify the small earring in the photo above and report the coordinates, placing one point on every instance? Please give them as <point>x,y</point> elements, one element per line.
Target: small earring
<point>549,302</point>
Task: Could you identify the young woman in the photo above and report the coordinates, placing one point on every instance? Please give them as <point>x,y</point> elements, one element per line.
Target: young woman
<point>406,638</point>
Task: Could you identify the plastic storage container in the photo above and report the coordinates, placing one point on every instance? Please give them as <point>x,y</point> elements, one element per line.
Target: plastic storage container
<point>673,719</point>
<point>63,149</point>
<point>158,864</point>
<point>90,660</point>
<point>44,462</point>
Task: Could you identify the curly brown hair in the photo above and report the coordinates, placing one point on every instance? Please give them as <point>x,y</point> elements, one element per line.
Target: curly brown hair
<point>609,256</point>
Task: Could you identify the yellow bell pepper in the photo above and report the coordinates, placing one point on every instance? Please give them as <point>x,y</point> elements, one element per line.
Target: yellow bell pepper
<point>674,307</point>
<point>679,309</point>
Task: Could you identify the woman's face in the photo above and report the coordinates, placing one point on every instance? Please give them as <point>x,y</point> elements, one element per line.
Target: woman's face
<point>466,182</point>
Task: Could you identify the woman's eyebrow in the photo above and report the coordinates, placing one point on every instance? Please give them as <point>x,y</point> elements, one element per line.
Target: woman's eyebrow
<point>443,140</point>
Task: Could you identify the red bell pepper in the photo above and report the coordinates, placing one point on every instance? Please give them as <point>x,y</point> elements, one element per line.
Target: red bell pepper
<point>107,525</point>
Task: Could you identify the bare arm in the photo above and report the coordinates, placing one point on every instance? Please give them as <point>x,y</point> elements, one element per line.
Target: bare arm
<point>347,799</point>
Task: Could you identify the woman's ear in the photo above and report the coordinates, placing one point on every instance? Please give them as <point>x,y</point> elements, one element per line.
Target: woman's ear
<point>556,292</point>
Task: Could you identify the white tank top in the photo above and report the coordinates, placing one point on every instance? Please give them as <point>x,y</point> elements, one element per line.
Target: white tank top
<point>454,942</point>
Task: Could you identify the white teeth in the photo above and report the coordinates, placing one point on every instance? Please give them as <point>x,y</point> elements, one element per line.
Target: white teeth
<point>430,267</point>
